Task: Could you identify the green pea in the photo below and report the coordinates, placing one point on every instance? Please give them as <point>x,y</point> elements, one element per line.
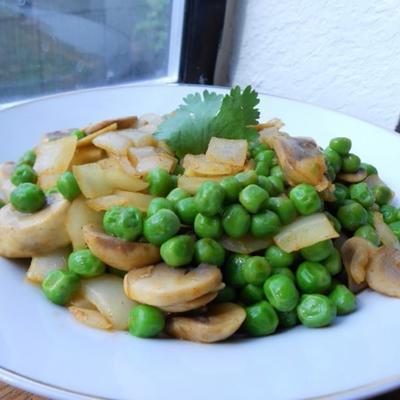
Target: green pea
<point>265,224</point>
<point>227,294</point>
<point>331,172</point>
<point>265,183</point>
<point>316,310</point>
<point>159,203</point>
<point>178,250</point>
<point>382,194</point>
<point>186,210</point>
<point>344,300</point>
<point>370,217</point>
<point>284,271</point>
<point>59,286</point>
<point>334,221</point>
<point>210,198</point>
<point>236,221</point>
<point>278,258</point>
<point>28,158</point>
<point>253,198</point>
<point>341,145</point>
<point>268,156</point>
<point>305,198</point>
<point>258,149</point>
<point>123,222</point>
<point>284,208</point>
<point>209,251</point>
<point>262,168</point>
<point>177,194</point>
<point>68,186</point>
<point>256,270</point>
<point>146,321</point>
<point>261,319</point>
<point>174,181</point>
<point>352,216</point>
<point>84,263</point>
<point>313,277</point>
<point>369,233</point>
<point>79,134</point>
<point>333,263</point>
<point>160,182</point>
<point>350,163</point>
<point>208,227</point>
<point>250,294</point>
<point>161,226</point>
<point>179,170</point>
<point>287,319</point>
<point>234,270</point>
<point>341,192</point>
<point>371,170</point>
<point>395,227</point>
<point>232,188</point>
<point>361,193</point>
<point>246,178</point>
<point>317,251</point>
<point>28,198</point>
<point>23,173</point>
<point>281,292</point>
<point>389,213</point>
<point>333,159</point>
<point>276,185</point>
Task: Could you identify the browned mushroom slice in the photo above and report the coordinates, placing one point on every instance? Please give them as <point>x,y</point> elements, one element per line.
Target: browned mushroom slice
<point>191,305</point>
<point>218,323</point>
<point>301,160</point>
<point>354,177</point>
<point>30,235</point>
<point>383,273</point>
<point>119,253</point>
<point>160,285</point>
<point>356,254</point>
<point>122,123</point>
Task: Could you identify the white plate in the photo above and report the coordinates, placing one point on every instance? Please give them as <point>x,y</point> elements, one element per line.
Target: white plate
<point>43,350</point>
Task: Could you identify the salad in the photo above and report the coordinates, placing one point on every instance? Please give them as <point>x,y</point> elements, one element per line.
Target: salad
<point>200,224</point>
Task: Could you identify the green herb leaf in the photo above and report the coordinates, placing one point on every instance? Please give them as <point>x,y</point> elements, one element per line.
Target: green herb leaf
<point>195,122</point>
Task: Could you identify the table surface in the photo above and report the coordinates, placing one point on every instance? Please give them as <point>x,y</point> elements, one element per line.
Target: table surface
<point>9,393</point>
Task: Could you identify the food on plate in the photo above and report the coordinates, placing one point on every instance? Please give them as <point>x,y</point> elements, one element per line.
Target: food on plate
<point>200,224</point>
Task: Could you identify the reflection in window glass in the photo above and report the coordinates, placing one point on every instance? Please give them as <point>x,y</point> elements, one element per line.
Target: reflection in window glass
<point>48,46</point>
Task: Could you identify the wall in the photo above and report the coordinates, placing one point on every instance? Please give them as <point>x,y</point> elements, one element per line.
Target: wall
<point>342,54</point>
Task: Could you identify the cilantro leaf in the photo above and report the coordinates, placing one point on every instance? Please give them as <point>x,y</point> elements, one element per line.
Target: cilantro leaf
<point>191,127</point>
<point>187,131</point>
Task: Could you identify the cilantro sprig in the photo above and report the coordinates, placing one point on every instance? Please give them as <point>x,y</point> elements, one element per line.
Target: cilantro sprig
<point>201,117</point>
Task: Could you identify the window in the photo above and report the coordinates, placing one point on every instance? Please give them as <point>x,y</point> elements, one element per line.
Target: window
<point>49,46</point>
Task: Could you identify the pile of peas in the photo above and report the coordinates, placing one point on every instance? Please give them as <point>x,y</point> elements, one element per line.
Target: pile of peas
<point>277,289</point>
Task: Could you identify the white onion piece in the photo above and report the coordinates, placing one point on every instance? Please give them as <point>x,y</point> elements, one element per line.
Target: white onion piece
<point>245,245</point>
<point>304,232</point>
<point>106,292</point>
<point>41,266</point>
<point>387,237</point>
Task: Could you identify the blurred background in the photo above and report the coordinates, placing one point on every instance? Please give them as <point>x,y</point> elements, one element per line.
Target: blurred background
<point>343,55</point>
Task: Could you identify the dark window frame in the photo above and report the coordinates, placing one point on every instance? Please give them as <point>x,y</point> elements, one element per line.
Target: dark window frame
<point>201,38</point>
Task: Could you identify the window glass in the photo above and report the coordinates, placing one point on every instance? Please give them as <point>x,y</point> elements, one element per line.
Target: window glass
<point>48,46</point>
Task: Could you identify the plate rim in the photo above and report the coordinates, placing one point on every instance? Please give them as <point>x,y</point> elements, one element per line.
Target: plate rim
<point>41,388</point>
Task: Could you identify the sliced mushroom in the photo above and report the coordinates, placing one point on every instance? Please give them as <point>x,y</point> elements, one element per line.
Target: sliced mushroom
<point>30,235</point>
<point>119,253</point>
<point>89,317</point>
<point>383,273</point>
<point>218,323</point>
<point>356,254</point>
<point>161,286</point>
<point>301,160</point>
<point>354,177</point>
<point>191,305</point>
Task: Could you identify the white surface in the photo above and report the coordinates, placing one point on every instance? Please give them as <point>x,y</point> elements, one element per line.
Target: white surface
<point>340,54</point>
<point>42,342</point>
